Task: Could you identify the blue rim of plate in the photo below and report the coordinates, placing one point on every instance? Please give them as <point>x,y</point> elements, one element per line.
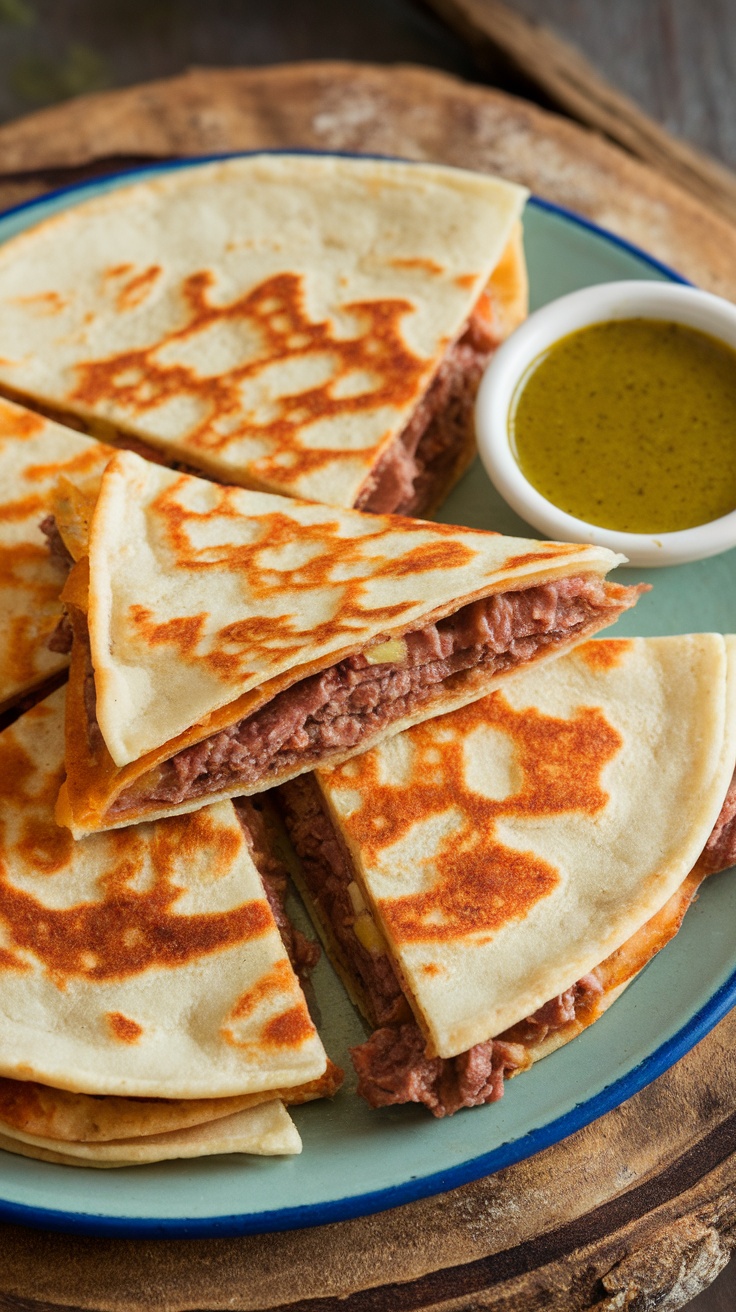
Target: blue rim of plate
<point>314,1214</point>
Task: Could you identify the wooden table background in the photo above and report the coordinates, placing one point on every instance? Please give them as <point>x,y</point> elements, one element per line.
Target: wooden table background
<point>675,58</point>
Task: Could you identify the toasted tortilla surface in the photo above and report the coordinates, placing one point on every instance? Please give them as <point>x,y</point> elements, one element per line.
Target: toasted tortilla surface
<point>34,453</point>
<point>508,848</point>
<point>273,320</point>
<point>145,963</point>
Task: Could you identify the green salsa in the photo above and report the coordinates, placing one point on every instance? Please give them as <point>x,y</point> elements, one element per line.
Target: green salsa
<point>631,425</point>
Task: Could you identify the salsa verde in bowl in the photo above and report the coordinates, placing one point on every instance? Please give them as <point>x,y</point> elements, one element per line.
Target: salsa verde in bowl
<point>610,417</point>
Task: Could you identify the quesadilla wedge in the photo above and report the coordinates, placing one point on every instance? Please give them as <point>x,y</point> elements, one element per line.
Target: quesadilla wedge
<point>40,1112</point>
<point>142,964</point>
<point>310,326</point>
<point>266,1131</point>
<point>489,881</point>
<point>225,640</point>
<point>33,454</point>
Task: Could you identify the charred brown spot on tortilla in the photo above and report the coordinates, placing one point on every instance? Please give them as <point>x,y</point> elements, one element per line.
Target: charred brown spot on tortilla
<point>85,462</point>
<point>9,961</point>
<point>183,633</point>
<point>136,288</point>
<point>43,302</point>
<point>416,262</point>
<point>483,884</point>
<point>122,1027</point>
<point>130,930</point>
<point>140,380</point>
<point>278,978</point>
<point>21,567</point>
<point>605,654</point>
<point>551,550</point>
<point>19,425</point>
<point>15,511</point>
<point>288,1030</point>
<point>291,1027</point>
<point>25,566</point>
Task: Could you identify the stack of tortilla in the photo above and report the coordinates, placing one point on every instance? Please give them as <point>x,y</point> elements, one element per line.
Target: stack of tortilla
<point>149,1007</point>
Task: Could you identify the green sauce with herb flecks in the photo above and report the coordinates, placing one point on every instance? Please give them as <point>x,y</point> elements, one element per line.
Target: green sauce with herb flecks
<point>631,425</point>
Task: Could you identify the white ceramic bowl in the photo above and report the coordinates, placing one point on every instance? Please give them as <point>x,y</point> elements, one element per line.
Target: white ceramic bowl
<point>613,300</point>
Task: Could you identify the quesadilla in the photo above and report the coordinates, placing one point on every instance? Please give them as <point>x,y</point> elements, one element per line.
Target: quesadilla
<point>144,966</point>
<point>225,639</point>
<point>311,326</point>
<point>489,881</point>
<point>33,454</point>
<point>266,1131</point>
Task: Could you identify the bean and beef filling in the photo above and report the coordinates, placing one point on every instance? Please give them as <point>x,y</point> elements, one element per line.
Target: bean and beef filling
<point>61,639</point>
<point>392,1065</point>
<point>346,705</point>
<point>257,825</point>
<point>419,466</point>
<point>328,874</point>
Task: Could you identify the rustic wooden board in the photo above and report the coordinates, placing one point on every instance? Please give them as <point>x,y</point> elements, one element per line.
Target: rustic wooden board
<point>414,112</point>
<point>638,1210</point>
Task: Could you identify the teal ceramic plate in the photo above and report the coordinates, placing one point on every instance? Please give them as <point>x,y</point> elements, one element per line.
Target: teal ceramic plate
<point>356,1161</point>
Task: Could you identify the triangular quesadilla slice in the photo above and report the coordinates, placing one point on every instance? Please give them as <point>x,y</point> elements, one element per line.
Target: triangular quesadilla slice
<point>141,964</point>
<point>226,639</point>
<point>311,326</point>
<point>488,881</point>
<point>34,452</point>
<point>265,1131</point>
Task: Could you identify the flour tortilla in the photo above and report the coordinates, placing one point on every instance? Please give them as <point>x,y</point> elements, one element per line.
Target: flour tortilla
<point>527,837</point>
<point>144,963</point>
<point>203,602</point>
<point>34,452</point>
<point>271,320</point>
<point>41,1111</point>
<point>266,1131</point>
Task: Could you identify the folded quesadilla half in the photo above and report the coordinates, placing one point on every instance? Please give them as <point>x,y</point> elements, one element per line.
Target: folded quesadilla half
<point>311,326</point>
<point>147,992</point>
<point>488,882</point>
<point>33,454</point>
<point>225,640</point>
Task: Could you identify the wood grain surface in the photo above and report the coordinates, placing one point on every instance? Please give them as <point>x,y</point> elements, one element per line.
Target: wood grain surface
<point>414,112</point>
<point>572,84</point>
<point>638,1211</point>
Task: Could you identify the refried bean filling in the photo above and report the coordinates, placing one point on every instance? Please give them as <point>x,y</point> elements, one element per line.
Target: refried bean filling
<point>343,708</point>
